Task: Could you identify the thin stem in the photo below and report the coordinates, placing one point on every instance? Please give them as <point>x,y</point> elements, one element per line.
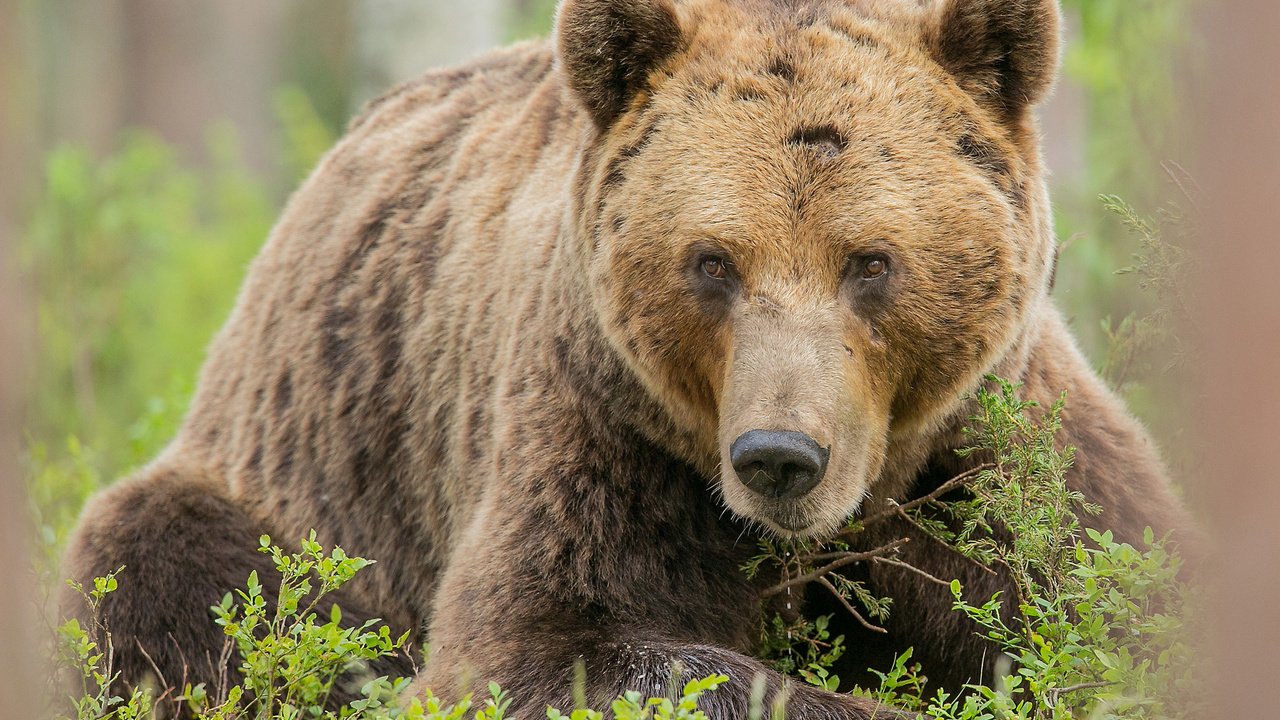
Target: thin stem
<point>912,568</point>
<point>847,606</point>
<point>846,559</point>
<point>897,508</point>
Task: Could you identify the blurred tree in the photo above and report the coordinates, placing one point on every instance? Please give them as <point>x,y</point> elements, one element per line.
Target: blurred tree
<point>1130,61</point>
<point>397,40</point>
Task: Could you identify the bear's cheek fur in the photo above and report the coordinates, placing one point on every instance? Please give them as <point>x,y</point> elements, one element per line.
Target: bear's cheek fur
<point>675,346</point>
<point>965,307</point>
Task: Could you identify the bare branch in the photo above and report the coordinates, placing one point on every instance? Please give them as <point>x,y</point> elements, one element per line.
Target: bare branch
<point>896,508</point>
<point>939,541</point>
<point>912,568</point>
<point>168,688</point>
<point>848,606</point>
<point>845,559</point>
<point>1055,693</point>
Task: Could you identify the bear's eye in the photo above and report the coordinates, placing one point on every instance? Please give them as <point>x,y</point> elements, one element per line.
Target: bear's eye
<point>715,267</point>
<point>875,268</point>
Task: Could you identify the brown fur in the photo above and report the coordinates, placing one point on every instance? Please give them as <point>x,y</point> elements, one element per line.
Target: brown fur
<point>478,346</point>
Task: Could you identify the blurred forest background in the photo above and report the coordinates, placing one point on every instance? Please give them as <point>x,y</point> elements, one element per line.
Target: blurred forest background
<point>148,145</point>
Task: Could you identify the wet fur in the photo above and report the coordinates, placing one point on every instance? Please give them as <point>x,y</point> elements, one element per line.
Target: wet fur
<point>462,351</point>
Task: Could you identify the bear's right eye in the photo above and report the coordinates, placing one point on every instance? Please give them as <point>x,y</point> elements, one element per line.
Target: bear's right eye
<point>715,267</point>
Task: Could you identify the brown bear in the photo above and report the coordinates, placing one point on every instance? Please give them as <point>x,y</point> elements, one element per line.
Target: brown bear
<point>555,335</point>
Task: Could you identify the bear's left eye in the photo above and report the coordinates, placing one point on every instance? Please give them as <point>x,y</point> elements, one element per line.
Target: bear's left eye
<point>874,268</point>
<point>715,267</point>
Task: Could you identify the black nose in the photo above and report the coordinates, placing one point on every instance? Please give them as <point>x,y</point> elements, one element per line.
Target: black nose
<point>778,463</point>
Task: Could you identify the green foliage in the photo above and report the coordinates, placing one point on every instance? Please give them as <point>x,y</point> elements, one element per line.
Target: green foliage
<point>136,259</point>
<point>632,706</point>
<point>293,656</point>
<point>1110,643</point>
<point>1121,53</point>
<point>84,659</point>
<point>1097,628</point>
<point>1018,512</point>
<point>1159,265</point>
<point>794,644</point>
<point>1123,65</point>
<point>803,648</point>
<point>107,240</point>
<point>307,136</point>
<point>530,18</point>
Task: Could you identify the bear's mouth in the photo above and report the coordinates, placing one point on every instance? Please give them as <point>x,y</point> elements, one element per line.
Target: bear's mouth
<point>789,521</point>
<point>790,525</point>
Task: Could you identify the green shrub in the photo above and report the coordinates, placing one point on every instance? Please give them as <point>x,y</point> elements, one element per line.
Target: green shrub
<point>292,658</point>
<point>1099,627</point>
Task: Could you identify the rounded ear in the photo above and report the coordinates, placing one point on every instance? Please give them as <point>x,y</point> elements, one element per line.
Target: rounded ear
<point>1003,52</point>
<point>608,47</point>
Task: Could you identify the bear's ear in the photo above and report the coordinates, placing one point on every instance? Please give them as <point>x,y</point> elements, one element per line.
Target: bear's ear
<point>1004,52</point>
<point>608,47</point>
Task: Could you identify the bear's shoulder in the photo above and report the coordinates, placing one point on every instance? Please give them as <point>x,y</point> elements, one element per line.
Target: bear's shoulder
<point>506,74</point>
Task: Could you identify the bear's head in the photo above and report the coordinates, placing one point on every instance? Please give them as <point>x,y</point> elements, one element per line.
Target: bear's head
<point>811,226</point>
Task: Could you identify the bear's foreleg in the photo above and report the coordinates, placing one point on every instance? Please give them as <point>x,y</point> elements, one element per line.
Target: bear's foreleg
<point>526,629</point>
<point>544,676</point>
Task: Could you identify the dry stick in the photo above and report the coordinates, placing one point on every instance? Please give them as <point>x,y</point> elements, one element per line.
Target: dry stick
<point>943,543</point>
<point>840,559</point>
<point>912,568</point>
<point>942,489</point>
<point>846,559</point>
<point>159,675</point>
<point>224,680</point>
<point>1181,179</point>
<point>852,611</point>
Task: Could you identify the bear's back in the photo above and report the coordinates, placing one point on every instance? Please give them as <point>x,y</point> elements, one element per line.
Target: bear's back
<point>346,389</point>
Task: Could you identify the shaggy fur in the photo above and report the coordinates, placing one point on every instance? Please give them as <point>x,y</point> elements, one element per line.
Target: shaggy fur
<point>483,345</point>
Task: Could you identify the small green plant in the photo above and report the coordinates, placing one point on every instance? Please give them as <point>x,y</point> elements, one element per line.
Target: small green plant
<point>632,705</point>
<point>89,663</point>
<point>1098,629</point>
<point>1159,264</point>
<point>291,656</point>
<point>804,648</point>
<point>1018,512</point>
<point>1111,644</point>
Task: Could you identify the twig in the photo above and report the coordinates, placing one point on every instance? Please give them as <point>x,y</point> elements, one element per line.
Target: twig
<point>912,568</point>
<point>943,489</point>
<point>846,559</point>
<point>943,543</point>
<point>1055,693</point>
<point>1181,179</point>
<point>847,606</point>
<point>159,675</point>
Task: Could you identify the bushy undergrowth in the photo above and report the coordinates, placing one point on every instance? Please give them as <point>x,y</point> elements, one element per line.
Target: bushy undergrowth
<point>292,658</point>
<point>1098,627</point>
<point>1097,631</point>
